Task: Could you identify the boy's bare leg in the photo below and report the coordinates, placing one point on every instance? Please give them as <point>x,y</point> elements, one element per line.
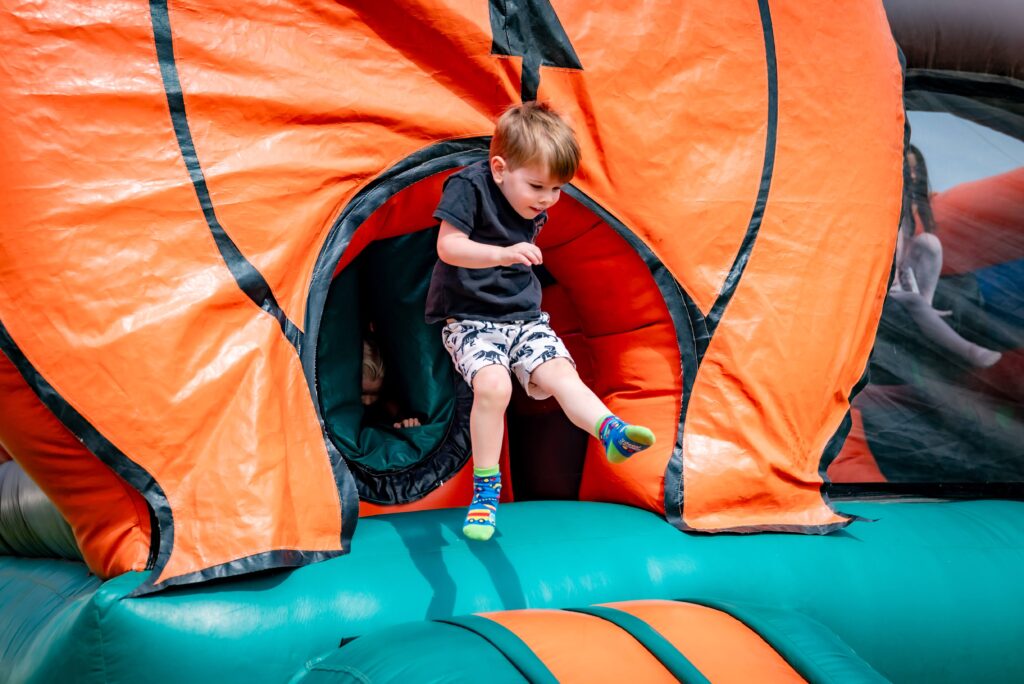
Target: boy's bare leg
<point>492,390</point>
<point>559,379</point>
<point>582,407</point>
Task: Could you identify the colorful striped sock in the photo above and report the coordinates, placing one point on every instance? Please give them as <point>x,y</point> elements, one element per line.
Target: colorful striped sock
<point>621,440</point>
<point>480,519</point>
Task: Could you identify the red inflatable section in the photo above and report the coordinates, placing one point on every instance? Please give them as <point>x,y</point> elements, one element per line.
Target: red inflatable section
<point>634,360</point>
<point>979,223</point>
<point>855,463</point>
<point>112,543</point>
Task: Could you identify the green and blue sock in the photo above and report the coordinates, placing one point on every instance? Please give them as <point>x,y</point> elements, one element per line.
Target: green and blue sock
<point>622,440</point>
<point>481,516</point>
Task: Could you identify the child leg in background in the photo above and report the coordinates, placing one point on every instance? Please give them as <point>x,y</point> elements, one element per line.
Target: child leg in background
<point>936,329</point>
<point>558,378</point>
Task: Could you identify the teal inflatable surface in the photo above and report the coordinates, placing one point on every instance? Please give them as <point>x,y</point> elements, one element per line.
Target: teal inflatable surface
<point>930,592</point>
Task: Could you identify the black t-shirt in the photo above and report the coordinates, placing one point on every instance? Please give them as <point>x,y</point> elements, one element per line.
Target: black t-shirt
<point>473,203</point>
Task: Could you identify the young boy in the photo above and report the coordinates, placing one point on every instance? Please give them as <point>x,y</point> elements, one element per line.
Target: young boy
<point>483,286</point>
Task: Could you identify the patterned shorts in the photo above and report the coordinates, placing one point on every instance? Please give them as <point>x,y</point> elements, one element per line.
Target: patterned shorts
<point>519,346</point>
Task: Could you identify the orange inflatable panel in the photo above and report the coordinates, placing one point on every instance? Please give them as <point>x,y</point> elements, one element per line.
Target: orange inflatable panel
<point>108,516</point>
<point>183,180</point>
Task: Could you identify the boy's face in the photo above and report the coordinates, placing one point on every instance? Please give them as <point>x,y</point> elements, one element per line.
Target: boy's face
<point>530,189</point>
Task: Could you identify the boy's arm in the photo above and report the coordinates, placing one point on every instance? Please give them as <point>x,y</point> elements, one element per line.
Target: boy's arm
<point>456,249</point>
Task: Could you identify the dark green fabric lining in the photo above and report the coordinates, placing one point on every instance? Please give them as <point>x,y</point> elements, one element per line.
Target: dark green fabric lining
<point>387,283</point>
<point>510,645</point>
<point>660,647</point>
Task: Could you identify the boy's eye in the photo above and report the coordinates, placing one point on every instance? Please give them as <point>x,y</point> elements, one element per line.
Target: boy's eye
<point>535,186</point>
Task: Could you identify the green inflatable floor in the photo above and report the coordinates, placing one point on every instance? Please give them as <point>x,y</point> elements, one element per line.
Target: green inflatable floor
<point>930,592</point>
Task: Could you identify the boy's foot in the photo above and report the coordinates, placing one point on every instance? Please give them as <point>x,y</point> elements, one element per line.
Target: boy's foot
<point>621,440</point>
<point>480,518</point>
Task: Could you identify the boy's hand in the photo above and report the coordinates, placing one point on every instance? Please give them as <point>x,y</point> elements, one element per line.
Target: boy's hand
<point>456,249</point>
<point>524,253</point>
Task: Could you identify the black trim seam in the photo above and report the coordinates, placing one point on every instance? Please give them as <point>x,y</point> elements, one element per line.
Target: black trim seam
<point>674,476</point>
<point>249,279</point>
<point>161,519</point>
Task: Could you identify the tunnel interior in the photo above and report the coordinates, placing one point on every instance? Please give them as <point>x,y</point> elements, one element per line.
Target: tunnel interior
<point>603,302</point>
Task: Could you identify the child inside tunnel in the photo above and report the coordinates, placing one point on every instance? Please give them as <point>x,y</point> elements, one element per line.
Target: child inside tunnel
<point>381,404</point>
<point>389,400</point>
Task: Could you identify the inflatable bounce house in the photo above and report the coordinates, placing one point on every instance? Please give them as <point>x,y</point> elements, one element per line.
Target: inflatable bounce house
<point>208,206</point>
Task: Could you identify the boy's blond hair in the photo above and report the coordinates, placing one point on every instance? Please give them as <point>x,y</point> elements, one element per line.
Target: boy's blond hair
<point>373,362</point>
<point>533,132</point>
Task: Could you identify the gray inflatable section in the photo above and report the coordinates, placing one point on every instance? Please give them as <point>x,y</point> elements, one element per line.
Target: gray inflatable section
<point>983,36</point>
<point>30,524</point>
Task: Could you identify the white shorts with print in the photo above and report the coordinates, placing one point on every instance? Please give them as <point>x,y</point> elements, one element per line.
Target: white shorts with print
<point>519,346</point>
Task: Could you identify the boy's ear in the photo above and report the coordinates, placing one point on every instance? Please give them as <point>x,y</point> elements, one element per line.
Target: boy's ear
<point>498,168</point>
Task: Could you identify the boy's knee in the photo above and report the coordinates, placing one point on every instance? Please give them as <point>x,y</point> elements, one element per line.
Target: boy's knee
<point>913,302</point>
<point>550,374</point>
<point>492,385</point>
<point>927,243</point>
